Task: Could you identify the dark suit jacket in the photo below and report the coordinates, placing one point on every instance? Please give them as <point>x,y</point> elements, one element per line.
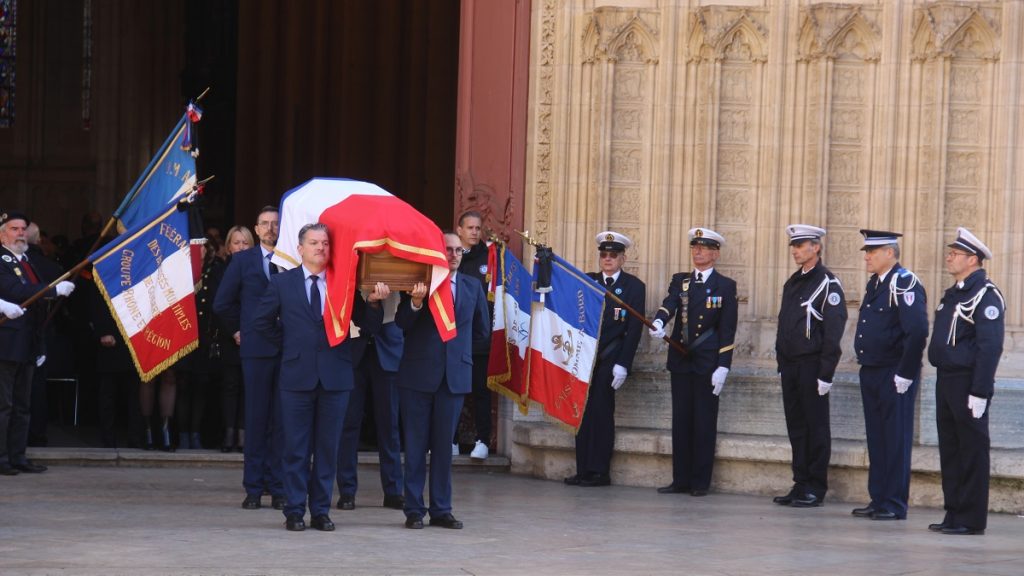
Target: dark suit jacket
<point>713,305</point>
<point>20,339</point>
<point>284,317</point>
<point>620,331</point>
<point>237,301</point>
<point>427,360</point>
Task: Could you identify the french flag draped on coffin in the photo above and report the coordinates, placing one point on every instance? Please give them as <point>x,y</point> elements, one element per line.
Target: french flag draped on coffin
<point>145,276</point>
<point>363,217</point>
<point>564,332</point>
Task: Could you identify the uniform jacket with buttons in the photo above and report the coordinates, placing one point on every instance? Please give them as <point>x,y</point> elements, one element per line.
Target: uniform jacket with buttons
<point>21,338</point>
<point>620,331</point>
<point>976,345</point>
<point>711,305</point>
<point>793,341</point>
<point>286,319</point>
<point>893,324</point>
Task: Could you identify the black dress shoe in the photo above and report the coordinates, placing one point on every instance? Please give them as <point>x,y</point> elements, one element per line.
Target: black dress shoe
<point>251,502</point>
<point>806,501</point>
<point>698,492</point>
<point>295,523</point>
<point>864,512</point>
<point>9,471</point>
<point>939,527</point>
<point>30,468</point>
<point>322,522</point>
<point>673,489</point>
<point>884,515</point>
<point>596,480</point>
<point>573,480</point>
<point>277,502</point>
<point>446,521</point>
<point>394,501</point>
<point>414,522</point>
<point>962,531</point>
<point>346,502</point>
<point>783,500</point>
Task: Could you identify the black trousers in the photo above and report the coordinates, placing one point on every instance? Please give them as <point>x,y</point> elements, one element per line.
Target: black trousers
<point>889,427</point>
<point>15,398</point>
<point>807,422</point>
<point>233,398</point>
<point>963,452</point>
<point>114,386</point>
<point>596,437</point>
<point>481,398</point>
<point>694,430</point>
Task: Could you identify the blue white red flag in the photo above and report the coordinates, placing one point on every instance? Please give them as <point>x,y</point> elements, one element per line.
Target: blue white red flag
<point>145,276</point>
<point>510,336</point>
<point>564,331</point>
<point>170,175</point>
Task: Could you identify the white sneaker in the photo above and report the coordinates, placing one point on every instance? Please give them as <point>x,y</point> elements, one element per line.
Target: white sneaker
<point>480,451</point>
<point>455,449</point>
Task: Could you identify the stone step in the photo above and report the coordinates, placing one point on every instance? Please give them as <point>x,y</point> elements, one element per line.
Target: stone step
<point>207,459</point>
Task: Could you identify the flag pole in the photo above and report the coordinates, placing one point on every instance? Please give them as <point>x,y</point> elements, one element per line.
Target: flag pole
<point>632,311</point>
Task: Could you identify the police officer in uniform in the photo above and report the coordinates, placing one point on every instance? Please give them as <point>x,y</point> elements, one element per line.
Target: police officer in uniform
<point>891,333</point>
<point>620,336</point>
<point>966,344</point>
<point>812,319</point>
<point>704,306</point>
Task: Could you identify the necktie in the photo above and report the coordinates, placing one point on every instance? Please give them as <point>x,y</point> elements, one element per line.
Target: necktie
<point>608,281</point>
<point>29,271</point>
<point>453,290</point>
<point>314,296</point>
<point>267,265</point>
<point>700,278</point>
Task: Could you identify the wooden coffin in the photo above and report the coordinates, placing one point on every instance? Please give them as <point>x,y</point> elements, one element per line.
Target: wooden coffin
<point>398,274</point>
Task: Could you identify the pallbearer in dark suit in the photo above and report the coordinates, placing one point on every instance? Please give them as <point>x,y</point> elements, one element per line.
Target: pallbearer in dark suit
<point>967,342</point>
<point>891,333</point>
<point>236,305</point>
<point>620,336</point>
<point>315,377</point>
<point>434,378</point>
<point>704,306</point>
<point>812,319</point>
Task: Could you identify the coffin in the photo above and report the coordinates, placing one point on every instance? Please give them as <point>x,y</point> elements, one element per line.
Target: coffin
<point>397,273</point>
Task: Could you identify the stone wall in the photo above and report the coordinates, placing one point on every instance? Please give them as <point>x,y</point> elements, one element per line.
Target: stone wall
<point>650,117</point>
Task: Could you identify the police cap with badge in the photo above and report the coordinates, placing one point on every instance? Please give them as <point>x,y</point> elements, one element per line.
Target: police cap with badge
<point>8,215</point>
<point>878,238</point>
<point>967,242</point>
<point>706,237</point>
<point>609,241</point>
<point>800,232</point>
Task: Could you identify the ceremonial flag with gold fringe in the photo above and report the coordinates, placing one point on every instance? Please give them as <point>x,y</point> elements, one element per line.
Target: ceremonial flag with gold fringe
<point>363,217</point>
<point>510,336</point>
<point>145,276</point>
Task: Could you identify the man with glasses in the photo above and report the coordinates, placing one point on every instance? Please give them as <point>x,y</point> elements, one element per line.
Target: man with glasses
<point>237,304</point>
<point>704,305</point>
<point>891,333</point>
<point>620,336</point>
<point>967,342</point>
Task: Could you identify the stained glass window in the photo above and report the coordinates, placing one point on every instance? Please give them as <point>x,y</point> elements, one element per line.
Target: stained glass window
<point>8,50</point>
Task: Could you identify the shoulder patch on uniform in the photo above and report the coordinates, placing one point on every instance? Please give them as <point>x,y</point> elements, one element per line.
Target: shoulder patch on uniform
<point>483,269</point>
<point>939,307</point>
<point>991,312</point>
<point>904,272</point>
<point>908,297</point>
<point>8,259</point>
<point>834,299</point>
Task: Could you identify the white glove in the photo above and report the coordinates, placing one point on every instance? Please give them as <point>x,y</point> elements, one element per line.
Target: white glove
<point>902,384</point>
<point>658,331</point>
<point>65,288</point>
<point>718,379</point>
<point>977,406</point>
<point>618,376</point>
<point>823,387</point>
<point>10,309</point>
<point>40,360</point>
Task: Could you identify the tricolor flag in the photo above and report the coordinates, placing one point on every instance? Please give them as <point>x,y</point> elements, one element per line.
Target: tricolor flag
<point>363,217</point>
<point>510,336</point>
<point>145,276</point>
<point>169,176</point>
<point>564,331</point>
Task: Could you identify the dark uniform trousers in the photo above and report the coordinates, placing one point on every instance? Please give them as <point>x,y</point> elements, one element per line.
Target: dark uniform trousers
<point>963,451</point>
<point>694,408</point>
<point>595,439</point>
<point>15,394</point>
<point>889,427</point>
<point>807,422</point>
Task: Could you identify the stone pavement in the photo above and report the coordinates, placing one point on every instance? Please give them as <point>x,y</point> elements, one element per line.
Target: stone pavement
<point>123,520</point>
